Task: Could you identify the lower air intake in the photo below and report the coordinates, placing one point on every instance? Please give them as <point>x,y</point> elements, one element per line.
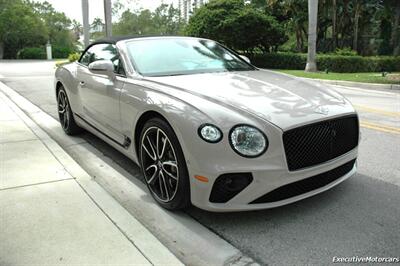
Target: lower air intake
<point>227,186</point>
<point>305,185</point>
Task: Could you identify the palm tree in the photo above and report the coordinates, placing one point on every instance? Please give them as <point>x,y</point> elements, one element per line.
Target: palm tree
<point>311,65</point>
<point>396,31</point>
<point>97,25</point>
<point>77,28</point>
<point>357,14</point>
<point>298,17</point>
<point>334,24</point>
<point>85,19</point>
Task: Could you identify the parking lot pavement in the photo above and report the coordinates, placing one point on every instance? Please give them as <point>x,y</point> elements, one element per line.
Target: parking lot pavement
<point>53,214</point>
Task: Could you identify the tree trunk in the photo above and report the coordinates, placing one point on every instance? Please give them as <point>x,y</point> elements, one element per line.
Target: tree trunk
<point>312,36</point>
<point>334,25</point>
<point>1,50</point>
<point>396,31</point>
<point>180,9</point>
<point>342,20</point>
<point>299,45</point>
<point>356,19</point>
<point>108,17</point>
<point>85,19</point>
<point>185,11</point>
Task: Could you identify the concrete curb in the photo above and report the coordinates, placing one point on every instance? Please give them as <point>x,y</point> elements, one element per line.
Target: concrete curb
<point>190,241</point>
<point>357,84</point>
<point>131,228</point>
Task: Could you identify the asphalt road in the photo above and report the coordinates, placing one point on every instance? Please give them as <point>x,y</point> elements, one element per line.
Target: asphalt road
<point>360,217</point>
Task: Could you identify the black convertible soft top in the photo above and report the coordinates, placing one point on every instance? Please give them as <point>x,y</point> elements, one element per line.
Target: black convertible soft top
<point>115,39</point>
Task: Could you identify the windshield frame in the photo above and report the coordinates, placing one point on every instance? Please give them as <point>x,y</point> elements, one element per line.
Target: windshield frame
<point>235,54</point>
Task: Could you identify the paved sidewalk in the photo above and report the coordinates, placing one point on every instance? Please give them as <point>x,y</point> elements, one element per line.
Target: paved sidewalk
<point>53,213</point>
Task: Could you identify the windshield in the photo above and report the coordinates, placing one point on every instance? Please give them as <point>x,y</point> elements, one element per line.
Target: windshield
<point>180,56</point>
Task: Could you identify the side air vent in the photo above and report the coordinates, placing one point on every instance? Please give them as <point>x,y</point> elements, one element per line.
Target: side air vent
<point>227,186</point>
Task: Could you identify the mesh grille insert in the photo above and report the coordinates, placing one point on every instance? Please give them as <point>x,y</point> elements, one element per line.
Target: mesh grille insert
<point>320,142</point>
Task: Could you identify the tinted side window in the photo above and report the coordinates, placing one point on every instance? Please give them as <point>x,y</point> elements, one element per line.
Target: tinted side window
<point>120,68</point>
<point>102,52</point>
<point>85,59</point>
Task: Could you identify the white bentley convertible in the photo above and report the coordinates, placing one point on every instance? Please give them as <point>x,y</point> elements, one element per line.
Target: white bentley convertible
<point>207,127</point>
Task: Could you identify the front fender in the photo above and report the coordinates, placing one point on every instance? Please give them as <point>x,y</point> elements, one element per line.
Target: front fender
<point>66,75</point>
<point>183,117</point>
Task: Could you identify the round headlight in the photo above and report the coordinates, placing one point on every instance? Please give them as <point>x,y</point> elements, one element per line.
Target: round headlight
<point>210,133</point>
<point>248,141</point>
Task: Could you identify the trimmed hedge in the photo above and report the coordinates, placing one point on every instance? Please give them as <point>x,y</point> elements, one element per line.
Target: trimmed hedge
<point>332,63</point>
<point>32,53</point>
<point>61,52</point>
<point>40,52</point>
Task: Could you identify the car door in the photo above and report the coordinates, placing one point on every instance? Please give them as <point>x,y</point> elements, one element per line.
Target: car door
<point>99,93</point>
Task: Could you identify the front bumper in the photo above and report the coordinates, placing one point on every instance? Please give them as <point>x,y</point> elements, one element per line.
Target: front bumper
<point>267,180</point>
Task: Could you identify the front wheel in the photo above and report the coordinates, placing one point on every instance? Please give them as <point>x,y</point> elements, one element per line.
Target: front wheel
<point>65,115</point>
<point>163,165</point>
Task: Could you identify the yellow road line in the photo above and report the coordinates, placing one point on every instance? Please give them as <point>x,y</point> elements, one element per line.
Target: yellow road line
<point>380,127</point>
<point>378,111</point>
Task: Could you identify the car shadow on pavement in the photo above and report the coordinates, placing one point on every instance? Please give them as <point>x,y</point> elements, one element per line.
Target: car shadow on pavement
<point>347,220</point>
<point>116,156</point>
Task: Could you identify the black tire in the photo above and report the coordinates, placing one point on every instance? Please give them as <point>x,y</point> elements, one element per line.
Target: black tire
<point>65,114</point>
<point>154,164</point>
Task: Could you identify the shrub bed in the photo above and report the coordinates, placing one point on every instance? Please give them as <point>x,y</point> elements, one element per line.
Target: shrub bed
<point>40,52</point>
<point>332,63</point>
<point>61,52</point>
<point>32,53</point>
<point>74,57</point>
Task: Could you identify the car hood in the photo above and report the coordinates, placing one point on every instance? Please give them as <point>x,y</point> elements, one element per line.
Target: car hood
<point>281,99</point>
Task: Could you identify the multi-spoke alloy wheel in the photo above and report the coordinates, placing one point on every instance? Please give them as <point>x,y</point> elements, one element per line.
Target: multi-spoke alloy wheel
<point>65,113</point>
<point>163,165</point>
<point>63,109</point>
<point>160,164</point>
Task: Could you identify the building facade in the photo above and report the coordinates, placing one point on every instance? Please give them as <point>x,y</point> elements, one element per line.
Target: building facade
<point>187,7</point>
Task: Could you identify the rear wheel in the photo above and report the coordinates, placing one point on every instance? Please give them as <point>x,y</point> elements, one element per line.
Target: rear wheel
<point>65,115</point>
<point>163,165</point>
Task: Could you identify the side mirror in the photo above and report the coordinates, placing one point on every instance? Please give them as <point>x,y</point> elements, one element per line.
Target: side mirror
<point>245,58</point>
<point>105,67</point>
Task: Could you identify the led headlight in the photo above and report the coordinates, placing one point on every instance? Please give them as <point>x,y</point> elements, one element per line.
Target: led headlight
<point>210,133</point>
<point>248,141</point>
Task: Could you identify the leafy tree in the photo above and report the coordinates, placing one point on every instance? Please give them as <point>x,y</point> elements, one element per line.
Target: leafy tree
<point>20,27</point>
<point>237,25</point>
<point>391,16</point>
<point>395,40</point>
<point>57,24</point>
<point>97,23</point>
<point>166,19</point>
<point>163,21</point>
<point>293,15</point>
<point>77,29</point>
<point>132,23</point>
